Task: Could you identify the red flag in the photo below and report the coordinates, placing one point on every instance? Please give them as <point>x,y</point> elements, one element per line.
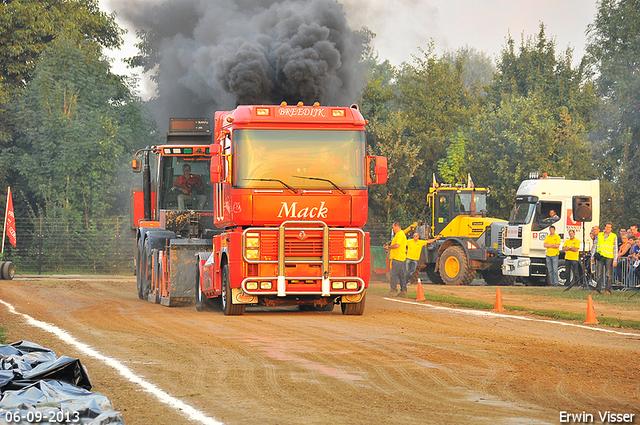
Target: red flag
<point>10,227</point>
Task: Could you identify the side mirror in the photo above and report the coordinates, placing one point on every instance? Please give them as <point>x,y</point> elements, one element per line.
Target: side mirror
<point>376,170</point>
<point>215,170</point>
<point>136,166</point>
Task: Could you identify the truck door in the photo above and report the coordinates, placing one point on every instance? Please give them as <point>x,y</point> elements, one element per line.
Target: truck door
<point>443,211</point>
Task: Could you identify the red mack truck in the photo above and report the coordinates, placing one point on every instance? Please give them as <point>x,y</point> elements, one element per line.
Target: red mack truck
<point>278,223</point>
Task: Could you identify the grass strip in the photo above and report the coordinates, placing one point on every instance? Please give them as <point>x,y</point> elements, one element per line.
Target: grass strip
<point>553,314</point>
<point>3,335</point>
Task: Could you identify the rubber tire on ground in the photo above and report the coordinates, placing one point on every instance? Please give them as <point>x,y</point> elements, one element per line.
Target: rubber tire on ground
<point>433,276</point>
<point>354,309</point>
<point>199,294</point>
<point>8,270</point>
<point>495,277</point>
<point>228,308</point>
<point>139,269</point>
<point>563,275</point>
<point>453,267</point>
<point>146,268</point>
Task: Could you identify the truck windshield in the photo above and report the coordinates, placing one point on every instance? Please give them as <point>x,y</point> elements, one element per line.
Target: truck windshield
<point>522,213</point>
<point>269,158</point>
<point>184,183</point>
<point>463,201</point>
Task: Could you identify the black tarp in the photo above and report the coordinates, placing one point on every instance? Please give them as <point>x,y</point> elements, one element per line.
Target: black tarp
<point>36,383</point>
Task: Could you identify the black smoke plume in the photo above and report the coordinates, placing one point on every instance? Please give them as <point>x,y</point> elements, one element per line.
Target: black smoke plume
<point>208,55</point>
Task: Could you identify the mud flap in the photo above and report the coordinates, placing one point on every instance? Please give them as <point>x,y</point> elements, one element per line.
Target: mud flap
<point>238,296</point>
<point>352,299</point>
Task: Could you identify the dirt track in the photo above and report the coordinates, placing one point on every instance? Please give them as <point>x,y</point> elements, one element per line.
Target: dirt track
<point>398,364</point>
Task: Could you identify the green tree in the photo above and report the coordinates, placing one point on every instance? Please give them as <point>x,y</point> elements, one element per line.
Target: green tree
<point>28,26</point>
<point>614,51</point>
<point>536,117</point>
<point>451,167</point>
<point>74,125</point>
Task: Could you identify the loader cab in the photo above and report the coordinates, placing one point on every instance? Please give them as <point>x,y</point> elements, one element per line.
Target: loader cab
<point>447,203</point>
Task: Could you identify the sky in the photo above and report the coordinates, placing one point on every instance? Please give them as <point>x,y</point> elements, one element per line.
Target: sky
<point>402,26</point>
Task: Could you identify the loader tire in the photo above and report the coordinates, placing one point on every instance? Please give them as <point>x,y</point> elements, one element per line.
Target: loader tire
<point>433,276</point>
<point>496,278</point>
<point>453,266</point>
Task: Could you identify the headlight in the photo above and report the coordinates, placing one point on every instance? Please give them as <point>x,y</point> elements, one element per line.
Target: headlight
<point>350,254</point>
<point>523,263</point>
<point>252,286</point>
<point>351,245</point>
<point>352,285</point>
<point>337,285</point>
<point>265,285</point>
<point>252,246</point>
<point>252,240</point>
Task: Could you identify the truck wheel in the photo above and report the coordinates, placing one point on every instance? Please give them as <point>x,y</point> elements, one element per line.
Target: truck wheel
<point>8,270</point>
<point>433,276</point>
<point>139,269</point>
<point>453,267</point>
<point>146,264</point>
<point>228,307</point>
<point>495,277</point>
<point>354,309</point>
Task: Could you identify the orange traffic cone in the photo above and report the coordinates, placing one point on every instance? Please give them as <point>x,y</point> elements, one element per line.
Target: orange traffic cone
<point>591,313</point>
<point>420,296</point>
<point>498,305</point>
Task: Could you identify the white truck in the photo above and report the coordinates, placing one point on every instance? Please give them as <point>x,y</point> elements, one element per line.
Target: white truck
<point>577,206</point>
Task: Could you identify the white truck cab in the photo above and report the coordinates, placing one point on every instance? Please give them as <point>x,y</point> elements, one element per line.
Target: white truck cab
<point>576,204</point>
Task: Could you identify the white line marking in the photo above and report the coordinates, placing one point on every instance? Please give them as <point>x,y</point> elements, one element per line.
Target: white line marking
<point>492,314</point>
<point>165,398</point>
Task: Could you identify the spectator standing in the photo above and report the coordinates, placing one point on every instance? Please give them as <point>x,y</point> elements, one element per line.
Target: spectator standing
<point>634,261</point>
<point>552,243</point>
<point>572,254</point>
<point>634,229</point>
<point>627,242</point>
<point>397,256</point>
<point>605,256</point>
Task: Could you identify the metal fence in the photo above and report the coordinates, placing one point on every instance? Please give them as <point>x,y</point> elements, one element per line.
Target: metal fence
<point>55,246</point>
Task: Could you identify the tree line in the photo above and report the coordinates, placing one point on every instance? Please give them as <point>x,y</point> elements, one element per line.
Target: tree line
<point>68,124</point>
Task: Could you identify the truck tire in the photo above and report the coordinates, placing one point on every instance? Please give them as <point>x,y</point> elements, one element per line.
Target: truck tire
<point>146,268</point>
<point>433,276</point>
<point>453,267</point>
<point>139,269</point>
<point>228,307</point>
<point>495,277</point>
<point>8,270</point>
<point>354,309</point>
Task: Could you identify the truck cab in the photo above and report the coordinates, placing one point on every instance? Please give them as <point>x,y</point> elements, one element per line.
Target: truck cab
<point>531,217</point>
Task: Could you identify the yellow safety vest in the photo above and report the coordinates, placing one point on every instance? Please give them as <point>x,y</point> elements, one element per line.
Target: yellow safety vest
<point>605,246</point>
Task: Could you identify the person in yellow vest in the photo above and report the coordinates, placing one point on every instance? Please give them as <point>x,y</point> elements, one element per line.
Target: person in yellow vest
<point>571,248</point>
<point>552,243</point>
<point>414,248</point>
<point>604,254</point>
<point>397,255</point>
